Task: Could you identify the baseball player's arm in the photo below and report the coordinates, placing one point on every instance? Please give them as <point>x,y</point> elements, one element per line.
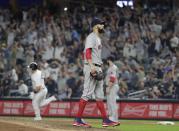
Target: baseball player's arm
<point>89,60</point>
<point>112,79</point>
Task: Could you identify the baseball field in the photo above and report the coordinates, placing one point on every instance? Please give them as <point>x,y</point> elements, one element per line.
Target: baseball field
<point>65,124</point>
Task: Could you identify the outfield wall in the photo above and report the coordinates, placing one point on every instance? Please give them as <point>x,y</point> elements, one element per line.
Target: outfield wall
<point>129,109</point>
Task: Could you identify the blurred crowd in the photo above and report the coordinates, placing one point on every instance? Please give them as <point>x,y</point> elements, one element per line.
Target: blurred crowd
<point>144,43</point>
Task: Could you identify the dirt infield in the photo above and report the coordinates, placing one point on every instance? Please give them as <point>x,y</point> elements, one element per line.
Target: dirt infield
<point>27,124</point>
<point>13,126</point>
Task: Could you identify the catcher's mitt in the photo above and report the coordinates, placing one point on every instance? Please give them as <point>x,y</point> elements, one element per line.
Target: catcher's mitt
<point>98,75</point>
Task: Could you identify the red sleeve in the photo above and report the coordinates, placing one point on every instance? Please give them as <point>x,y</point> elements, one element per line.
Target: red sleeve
<point>88,53</point>
<point>112,79</point>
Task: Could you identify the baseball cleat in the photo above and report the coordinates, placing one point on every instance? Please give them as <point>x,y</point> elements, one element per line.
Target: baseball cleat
<point>80,123</point>
<point>37,118</point>
<point>57,98</point>
<point>107,122</point>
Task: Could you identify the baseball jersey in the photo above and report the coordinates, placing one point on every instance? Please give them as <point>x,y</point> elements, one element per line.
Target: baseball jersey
<point>37,79</point>
<point>94,42</point>
<point>112,72</point>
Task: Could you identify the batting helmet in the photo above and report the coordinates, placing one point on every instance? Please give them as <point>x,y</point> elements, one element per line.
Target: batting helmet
<point>33,66</point>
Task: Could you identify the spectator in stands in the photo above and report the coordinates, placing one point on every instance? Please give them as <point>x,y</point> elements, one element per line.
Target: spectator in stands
<point>13,75</point>
<point>51,86</point>
<point>29,54</point>
<point>54,69</point>
<point>176,85</point>
<point>123,90</point>
<point>6,84</point>
<point>79,86</point>
<point>142,41</point>
<point>20,54</point>
<point>22,88</point>
<point>71,81</point>
<point>64,92</point>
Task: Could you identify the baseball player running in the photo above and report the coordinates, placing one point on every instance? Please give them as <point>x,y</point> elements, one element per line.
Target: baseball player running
<point>39,90</point>
<point>92,64</point>
<point>112,89</point>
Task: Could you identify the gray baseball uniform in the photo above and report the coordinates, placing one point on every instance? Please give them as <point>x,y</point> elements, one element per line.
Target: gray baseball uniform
<point>112,95</point>
<point>91,85</point>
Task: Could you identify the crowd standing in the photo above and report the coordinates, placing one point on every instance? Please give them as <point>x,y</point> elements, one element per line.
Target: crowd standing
<point>144,43</point>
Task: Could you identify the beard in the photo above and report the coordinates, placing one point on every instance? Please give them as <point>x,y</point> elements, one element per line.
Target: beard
<point>108,64</point>
<point>100,30</point>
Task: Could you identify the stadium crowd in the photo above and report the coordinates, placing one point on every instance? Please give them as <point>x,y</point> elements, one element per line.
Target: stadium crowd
<point>144,43</point>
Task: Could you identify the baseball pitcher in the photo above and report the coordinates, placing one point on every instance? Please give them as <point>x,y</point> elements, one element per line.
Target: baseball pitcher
<point>93,82</point>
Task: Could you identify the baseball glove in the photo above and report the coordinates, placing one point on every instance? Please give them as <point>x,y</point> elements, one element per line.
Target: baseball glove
<point>98,75</point>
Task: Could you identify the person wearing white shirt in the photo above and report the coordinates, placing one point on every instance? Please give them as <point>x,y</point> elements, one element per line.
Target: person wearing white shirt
<point>14,75</point>
<point>58,51</point>
<point>174,41</point>
<point>23,89</point>
<point>48,53</point>
<point>39,90</point>
<point>10,37</point>
<point>54,69</point>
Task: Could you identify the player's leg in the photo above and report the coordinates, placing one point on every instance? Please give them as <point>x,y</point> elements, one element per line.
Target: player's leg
<point>112,105</point>
<point>99,94</point>
<point>108,104</point>
<point>36,106</point>
<point>38,101</point>
<point>89,85</point>
<point>45,101</point>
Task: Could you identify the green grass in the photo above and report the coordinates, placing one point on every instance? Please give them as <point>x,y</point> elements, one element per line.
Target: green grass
<point>138,125</point>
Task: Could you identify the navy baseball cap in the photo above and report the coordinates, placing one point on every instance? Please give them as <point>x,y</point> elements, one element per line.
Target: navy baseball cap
<point>96,21</point>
